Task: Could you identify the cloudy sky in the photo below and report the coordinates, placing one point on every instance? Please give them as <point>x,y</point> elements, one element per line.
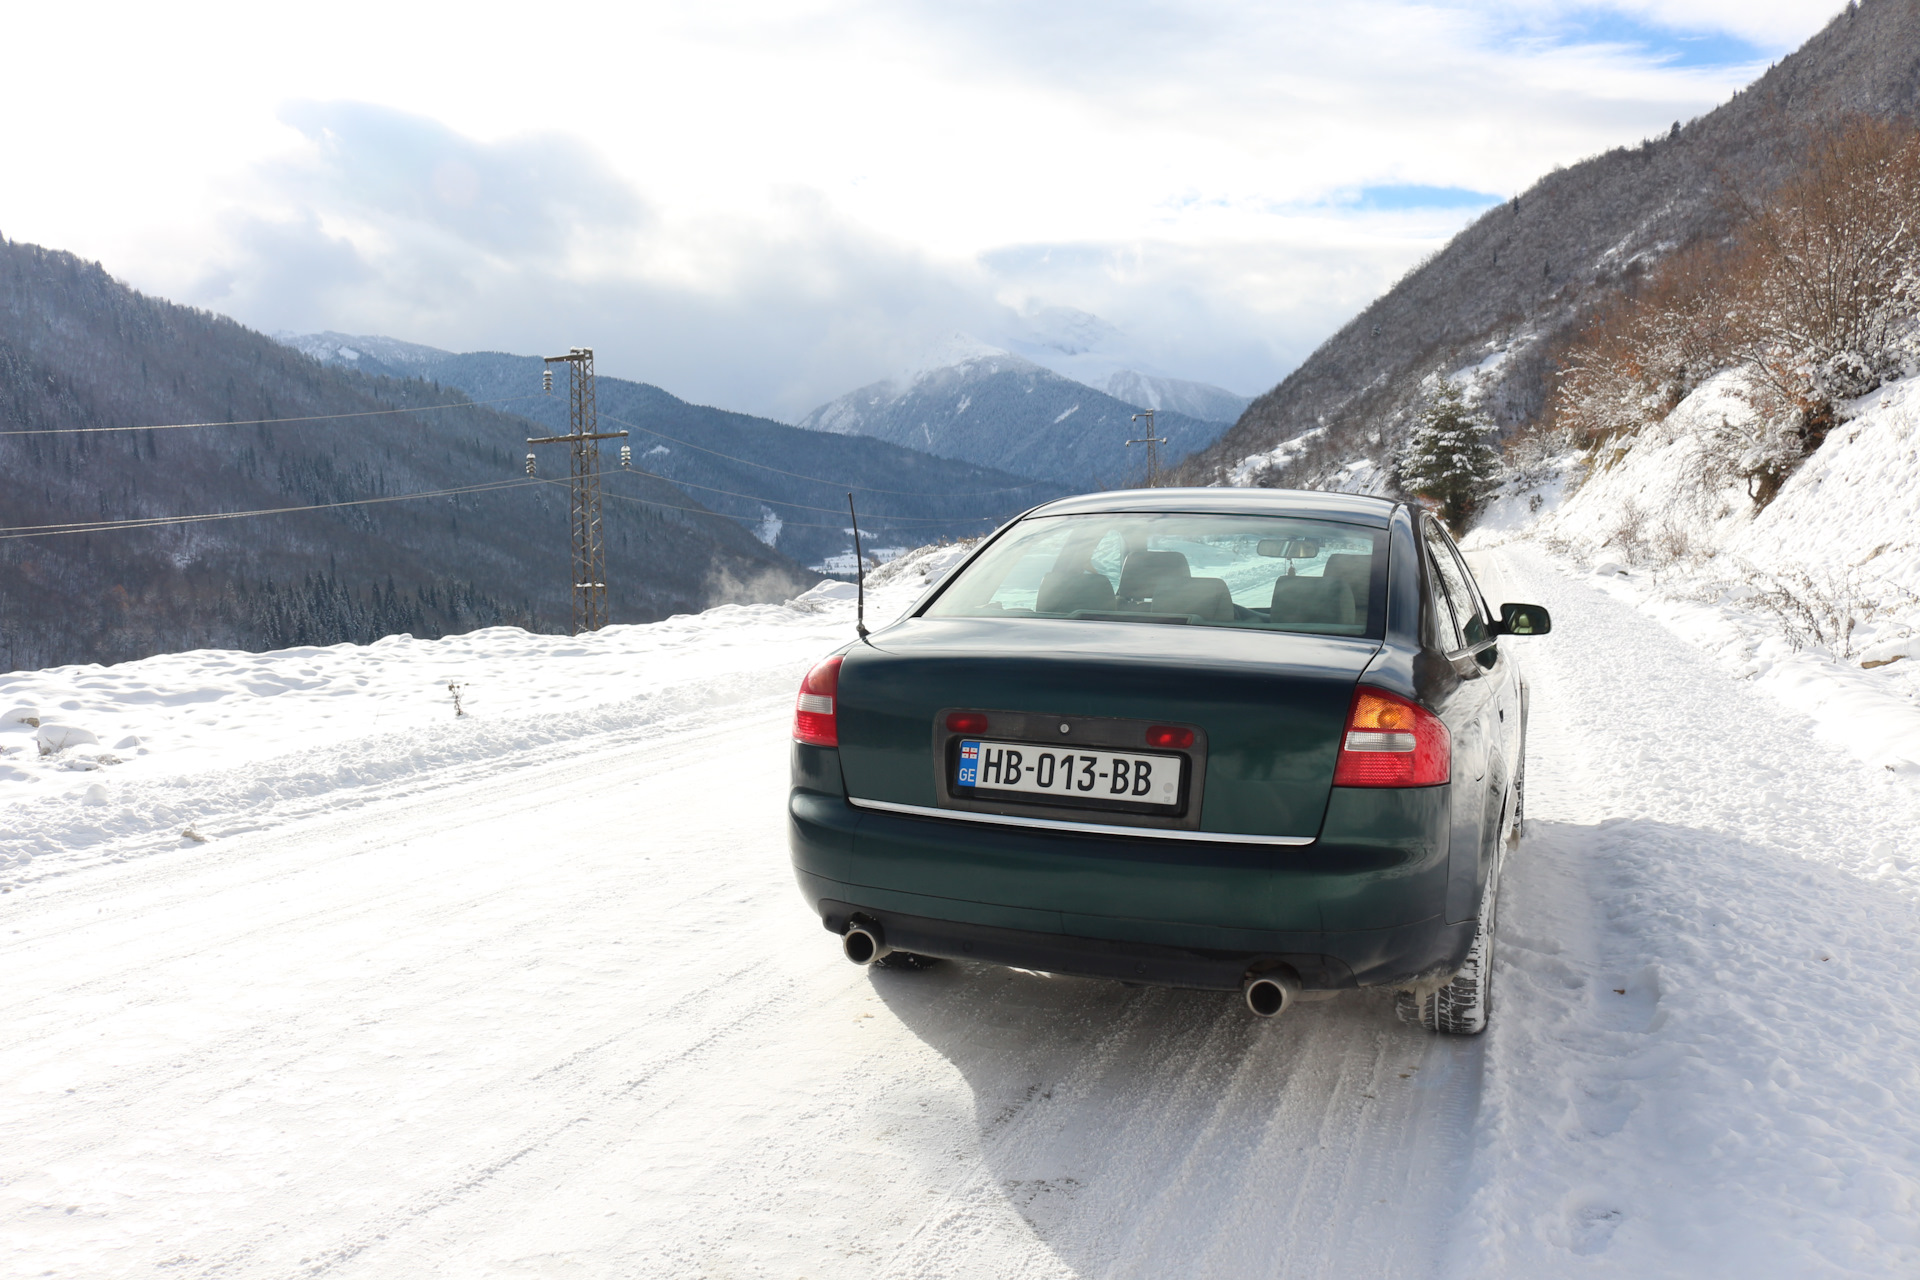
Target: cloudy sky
<point>763,205</point>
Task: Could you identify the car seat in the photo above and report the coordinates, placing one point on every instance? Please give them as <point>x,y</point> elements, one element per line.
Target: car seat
<point>1311,602</point>
<point>1205,598</point>
<point>1068,590</point>
<point>1357,572</point>
<point>1148,573</point>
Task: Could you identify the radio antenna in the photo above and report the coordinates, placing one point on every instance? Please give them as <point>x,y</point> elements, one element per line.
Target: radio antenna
<point>859,575</point>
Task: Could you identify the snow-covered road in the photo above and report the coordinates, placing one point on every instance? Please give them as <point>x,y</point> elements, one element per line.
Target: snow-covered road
<point>1707,1057</point>
<point>566,1015</point>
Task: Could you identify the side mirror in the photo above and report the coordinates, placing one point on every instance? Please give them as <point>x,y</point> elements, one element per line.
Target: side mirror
<point>1522,620</point>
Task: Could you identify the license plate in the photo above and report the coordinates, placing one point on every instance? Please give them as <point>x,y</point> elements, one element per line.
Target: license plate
<point>1107,777</point>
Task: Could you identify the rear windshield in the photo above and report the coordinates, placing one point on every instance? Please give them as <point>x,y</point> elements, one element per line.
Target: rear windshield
<point>1265,573</point>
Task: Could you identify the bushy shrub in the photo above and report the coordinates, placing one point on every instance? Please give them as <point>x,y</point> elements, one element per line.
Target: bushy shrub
<point>1813,296</point>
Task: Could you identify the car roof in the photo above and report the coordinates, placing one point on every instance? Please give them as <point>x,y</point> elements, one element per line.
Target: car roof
<point>1355,508</point>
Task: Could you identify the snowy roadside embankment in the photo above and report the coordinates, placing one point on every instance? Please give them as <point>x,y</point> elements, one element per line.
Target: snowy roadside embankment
<point>1815,596</point>
<point>105,763</point>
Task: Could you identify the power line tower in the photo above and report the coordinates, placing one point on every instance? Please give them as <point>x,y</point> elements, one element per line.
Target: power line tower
<point>589,548</point>
<point>1152,442</point>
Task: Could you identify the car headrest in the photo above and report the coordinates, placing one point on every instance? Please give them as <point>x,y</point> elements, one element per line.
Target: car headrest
<point>1354,570</point>
<point>1311,601</point>
<point>1065,590</point>
<point>1148,573</point>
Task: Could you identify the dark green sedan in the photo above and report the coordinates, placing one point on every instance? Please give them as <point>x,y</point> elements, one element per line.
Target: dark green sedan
<point>1231,739</point>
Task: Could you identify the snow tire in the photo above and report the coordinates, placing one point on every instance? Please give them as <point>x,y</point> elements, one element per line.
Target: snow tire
<point>1463,1006</point>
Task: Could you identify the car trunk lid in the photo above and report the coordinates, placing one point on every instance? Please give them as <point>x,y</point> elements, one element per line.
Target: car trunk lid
<point>1271,706</point>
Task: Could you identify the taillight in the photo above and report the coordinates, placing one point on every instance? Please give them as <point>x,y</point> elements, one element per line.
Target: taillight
<point>814,722</point>
<point>1391,742</point>
<point>966,722</point>
<point>1161,735</point>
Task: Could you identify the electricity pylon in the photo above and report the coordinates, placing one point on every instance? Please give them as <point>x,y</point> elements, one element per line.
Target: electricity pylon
<point>1151,441</point>
<point>589,547</point>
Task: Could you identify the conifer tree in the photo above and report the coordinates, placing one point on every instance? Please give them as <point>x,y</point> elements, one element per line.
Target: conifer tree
<point>1449,458</point>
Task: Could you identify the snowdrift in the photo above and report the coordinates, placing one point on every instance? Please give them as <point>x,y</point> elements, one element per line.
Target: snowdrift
<point>1816,595</point>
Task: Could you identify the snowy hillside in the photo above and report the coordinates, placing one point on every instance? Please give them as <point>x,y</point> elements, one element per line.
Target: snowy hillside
<point>1816,595</point>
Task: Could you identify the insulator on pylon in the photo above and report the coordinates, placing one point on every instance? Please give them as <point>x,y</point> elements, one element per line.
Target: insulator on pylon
<point>546,381</point>
<point>626,455</point>
<point>529,464</point>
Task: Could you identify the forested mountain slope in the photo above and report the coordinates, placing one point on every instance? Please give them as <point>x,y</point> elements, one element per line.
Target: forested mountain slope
<point>787,484</point>
<point>79,351</point>
<point>1505,291</point>
<point>1005,409</point>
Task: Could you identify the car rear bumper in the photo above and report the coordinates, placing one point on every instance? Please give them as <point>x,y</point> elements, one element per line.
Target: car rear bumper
<point>1362,906</point>
<point>1331,962</point>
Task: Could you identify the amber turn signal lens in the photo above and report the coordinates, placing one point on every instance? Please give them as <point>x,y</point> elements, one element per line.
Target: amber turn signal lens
<point>1371,711</point>
<point>966,722</point>
<point>1165,736</point>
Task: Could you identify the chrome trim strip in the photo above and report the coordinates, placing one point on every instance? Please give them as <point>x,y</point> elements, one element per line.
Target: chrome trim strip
<point>1085,828</point>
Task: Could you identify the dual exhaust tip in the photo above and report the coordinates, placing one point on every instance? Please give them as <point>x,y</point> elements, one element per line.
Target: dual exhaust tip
<point>863,943</point>
<point>1268,995</point>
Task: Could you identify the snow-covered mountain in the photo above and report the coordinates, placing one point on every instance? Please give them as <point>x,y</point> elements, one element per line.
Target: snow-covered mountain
<point>1080,345</point>
<point>1176,395</point>
<point>993,405</point>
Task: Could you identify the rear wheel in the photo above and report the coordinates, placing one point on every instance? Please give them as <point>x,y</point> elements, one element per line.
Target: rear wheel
<point>1463,1006</point>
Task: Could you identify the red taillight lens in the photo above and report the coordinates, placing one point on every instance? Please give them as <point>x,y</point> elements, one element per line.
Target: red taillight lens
<point>1161,735</point>
<point>966,722</point>
<point>1391,742</point>
<point>814,722</point>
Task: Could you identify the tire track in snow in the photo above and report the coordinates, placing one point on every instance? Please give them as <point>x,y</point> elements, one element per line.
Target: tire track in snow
<point>1174,1133</point>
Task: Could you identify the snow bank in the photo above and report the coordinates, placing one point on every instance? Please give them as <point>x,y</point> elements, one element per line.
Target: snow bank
<point>215,742</point>
<point>1815,597</point>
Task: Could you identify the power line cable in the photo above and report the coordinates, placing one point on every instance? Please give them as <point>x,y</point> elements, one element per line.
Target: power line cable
<point>156,522</point>
<point>864,488</point>
<point>261,422</point>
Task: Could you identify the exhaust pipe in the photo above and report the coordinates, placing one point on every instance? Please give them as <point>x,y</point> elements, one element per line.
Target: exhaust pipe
<point>863,943</point>
<point>1269,995</point>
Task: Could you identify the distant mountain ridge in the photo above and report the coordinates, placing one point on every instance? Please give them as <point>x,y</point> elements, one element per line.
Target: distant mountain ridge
<point>788,484</point>
<point>993,405</point>
<point>1506,290</point>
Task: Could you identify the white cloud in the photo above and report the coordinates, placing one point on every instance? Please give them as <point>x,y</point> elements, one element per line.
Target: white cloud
<point>764,204</point>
